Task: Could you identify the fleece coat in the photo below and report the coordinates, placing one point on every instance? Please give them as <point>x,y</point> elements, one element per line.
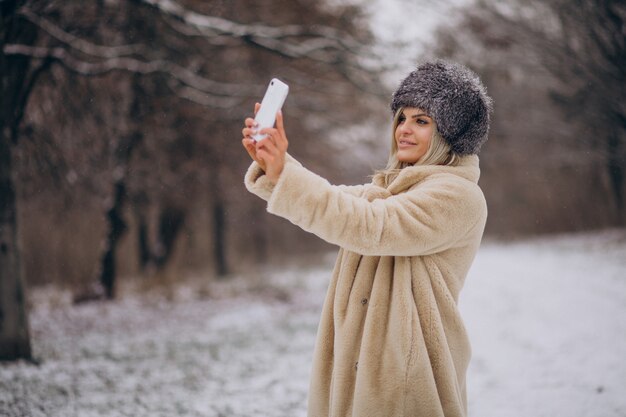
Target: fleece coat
<point>390,342</point>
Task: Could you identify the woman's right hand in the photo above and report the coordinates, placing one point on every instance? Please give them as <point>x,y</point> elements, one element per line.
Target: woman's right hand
<point>248,143</point>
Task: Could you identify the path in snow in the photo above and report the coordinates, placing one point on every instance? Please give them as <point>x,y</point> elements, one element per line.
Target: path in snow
<point>547,319</point>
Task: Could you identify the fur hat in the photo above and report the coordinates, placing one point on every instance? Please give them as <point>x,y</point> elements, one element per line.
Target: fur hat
<point>454,97</point>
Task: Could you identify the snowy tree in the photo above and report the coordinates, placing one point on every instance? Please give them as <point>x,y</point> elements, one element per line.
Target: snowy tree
<point>557,71</point>
<point>15,82</point>
<point>145,52</point>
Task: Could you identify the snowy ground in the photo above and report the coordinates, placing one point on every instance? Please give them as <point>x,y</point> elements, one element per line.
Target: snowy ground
<point>547,319</point>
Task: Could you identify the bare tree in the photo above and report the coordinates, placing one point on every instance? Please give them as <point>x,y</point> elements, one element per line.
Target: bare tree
<point>39,38</point>
<point>558,71</point>
<point>583,45</point>
<point>15,83</point>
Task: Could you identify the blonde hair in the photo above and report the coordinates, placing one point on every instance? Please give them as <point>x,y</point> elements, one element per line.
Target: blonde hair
<point>439,153</point>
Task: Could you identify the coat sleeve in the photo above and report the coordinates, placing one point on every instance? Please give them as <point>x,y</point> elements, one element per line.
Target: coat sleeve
<point>355,190</point>
<point>257,184</point>
<point>435,216</point>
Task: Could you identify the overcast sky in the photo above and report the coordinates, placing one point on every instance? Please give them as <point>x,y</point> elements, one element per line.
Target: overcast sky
<point>413,22</point>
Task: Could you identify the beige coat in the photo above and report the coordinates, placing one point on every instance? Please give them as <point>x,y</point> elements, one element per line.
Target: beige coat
<point>391,341</point>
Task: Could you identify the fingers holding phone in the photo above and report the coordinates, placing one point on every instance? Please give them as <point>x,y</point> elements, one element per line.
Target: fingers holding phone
<point>248,142</point>
<point>273,148</point>
<point>266,144</point>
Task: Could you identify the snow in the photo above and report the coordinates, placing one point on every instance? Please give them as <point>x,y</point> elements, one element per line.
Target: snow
<point>547,320</point>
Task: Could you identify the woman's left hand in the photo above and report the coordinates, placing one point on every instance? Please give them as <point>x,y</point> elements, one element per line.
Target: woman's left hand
<point>272,149</point>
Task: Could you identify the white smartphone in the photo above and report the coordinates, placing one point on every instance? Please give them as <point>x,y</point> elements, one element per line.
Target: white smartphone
<point>272,102</point>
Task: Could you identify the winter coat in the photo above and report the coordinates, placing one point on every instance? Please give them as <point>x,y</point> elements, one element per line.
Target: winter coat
<point>391,341</point>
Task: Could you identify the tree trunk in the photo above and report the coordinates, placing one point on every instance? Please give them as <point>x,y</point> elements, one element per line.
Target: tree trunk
<point>143,242</point>
<point>615,165</point>
<point>155,253</point>
<point>218,215</point>
<point>116,227</point>
<point>171,221</point>
<point>14,332</point>
<point>221,267</point>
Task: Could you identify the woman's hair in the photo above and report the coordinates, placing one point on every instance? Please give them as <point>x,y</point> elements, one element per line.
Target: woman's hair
<point>438,153</point>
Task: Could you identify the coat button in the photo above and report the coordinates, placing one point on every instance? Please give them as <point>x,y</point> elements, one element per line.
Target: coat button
<point>364,301</point>
<point>356,366</point>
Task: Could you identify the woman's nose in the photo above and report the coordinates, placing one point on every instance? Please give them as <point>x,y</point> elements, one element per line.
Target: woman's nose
<point>403,129</point>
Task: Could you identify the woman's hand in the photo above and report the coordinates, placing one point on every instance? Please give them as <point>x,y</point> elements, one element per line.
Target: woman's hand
<point>270,151</point>
<point>248,143</point>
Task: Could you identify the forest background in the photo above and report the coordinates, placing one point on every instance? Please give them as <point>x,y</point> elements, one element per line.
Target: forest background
<point>120,123</point>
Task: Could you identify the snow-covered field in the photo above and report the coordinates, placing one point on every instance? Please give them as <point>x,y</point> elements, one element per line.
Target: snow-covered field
<point>547,319</point>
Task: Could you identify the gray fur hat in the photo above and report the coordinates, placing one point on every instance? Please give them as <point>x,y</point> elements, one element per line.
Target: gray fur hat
<point>454,97</point>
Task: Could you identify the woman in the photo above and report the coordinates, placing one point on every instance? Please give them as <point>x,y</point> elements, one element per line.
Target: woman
<point>391,341</point>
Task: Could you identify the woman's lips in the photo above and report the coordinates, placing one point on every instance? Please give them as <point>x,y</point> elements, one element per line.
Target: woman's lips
<point>403,143</point>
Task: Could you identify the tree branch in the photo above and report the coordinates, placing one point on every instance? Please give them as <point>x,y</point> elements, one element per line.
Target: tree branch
<point>79,44</point>
<point>318,43</point>
<point>202,98</point>
<point>133,65</point>
<point>268,37</point>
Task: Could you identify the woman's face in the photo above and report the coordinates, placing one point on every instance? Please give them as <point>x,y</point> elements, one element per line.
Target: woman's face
<point>413,134</point>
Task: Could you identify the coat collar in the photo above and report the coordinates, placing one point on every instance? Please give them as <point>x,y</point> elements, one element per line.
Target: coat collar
<point>467,168</point>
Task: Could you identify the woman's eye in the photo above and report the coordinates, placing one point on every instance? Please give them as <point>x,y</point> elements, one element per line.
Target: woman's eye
<point>422,122</point>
